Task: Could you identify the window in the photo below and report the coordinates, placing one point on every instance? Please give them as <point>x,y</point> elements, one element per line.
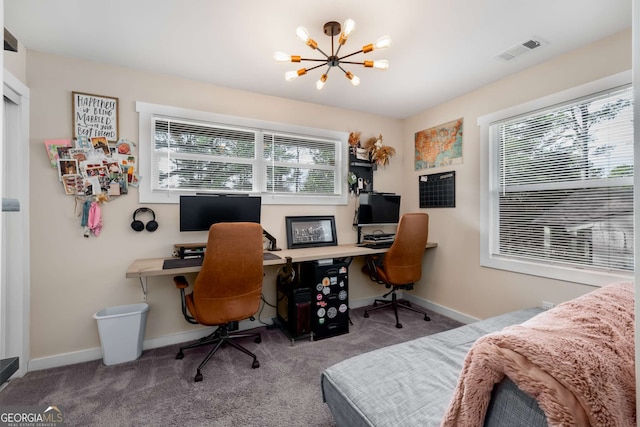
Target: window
<point>558,186</point>
<point>185,151</point>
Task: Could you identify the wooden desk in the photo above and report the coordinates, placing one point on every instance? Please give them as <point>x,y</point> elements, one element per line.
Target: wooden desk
<point>150,267</point>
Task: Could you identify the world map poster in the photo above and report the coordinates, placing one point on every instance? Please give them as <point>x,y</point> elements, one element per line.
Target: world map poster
<point>439,146</point>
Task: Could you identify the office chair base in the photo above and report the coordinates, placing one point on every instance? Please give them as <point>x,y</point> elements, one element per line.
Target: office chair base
<point>220,337</point>
<point>394,303</point>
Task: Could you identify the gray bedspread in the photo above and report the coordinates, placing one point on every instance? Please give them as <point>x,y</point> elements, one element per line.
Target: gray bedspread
<point>407,384</point>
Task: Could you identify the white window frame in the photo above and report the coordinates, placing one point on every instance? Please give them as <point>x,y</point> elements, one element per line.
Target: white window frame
<point>147,111</point>
<point>488,209</point>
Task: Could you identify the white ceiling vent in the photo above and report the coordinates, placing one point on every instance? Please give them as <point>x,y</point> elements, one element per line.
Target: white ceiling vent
<point>519,49</point>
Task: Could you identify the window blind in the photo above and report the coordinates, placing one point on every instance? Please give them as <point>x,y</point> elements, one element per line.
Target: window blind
<point>563,183</point>
<point>196,156</point>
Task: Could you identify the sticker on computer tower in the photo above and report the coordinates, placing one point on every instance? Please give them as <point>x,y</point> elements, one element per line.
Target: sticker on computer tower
<point>342,295</point>
<point>334,280</point>
<point>332,312</point>
<point>343,270</point>
<point>342,308</point>
<point>319,287</point>
<point>325,281</point>
<point>321,312</point>
<point>342,283</point>
<point>321,321</point>
<point>319,297</point>
<point>326,290</point>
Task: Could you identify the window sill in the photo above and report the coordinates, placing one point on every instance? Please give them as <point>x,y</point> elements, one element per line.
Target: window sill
<point>568,274</point>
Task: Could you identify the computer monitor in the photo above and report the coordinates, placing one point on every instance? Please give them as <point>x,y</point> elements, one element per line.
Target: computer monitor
<point>378,209</point>
<point>199,212</point>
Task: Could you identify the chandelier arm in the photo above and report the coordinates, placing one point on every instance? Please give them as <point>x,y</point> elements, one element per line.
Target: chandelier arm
<point>352,62</point>
<point>314,59</point>
<point>320,50</point>
<point>351,54</point>
<point>343,70</point>
<point>316,66</point>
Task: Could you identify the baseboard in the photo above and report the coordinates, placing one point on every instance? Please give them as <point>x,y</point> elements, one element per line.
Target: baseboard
<point>96,353</point>
<point>165,340</point>
<point>440,309</point>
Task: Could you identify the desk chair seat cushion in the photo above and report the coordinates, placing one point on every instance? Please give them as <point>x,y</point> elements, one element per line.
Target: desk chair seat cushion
<point>236,295</point>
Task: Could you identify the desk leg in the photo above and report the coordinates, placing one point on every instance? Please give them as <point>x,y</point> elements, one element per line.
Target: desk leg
<point>143,285</point>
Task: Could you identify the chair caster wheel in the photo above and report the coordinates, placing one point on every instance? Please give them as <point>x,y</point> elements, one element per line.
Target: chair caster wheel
<point>426,318</point>
<point>198,377</point>
<point>255,364</point>
<point>258,340</point>
<point>180,355</point>
<point>399,325</point>
<point>366,314</point>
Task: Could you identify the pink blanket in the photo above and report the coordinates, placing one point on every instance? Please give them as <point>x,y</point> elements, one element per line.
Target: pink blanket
<point>576,360</point>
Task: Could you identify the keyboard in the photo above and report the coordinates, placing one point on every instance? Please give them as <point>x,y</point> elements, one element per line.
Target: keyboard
<point>379,236</point>
<point>197,262</point>
<point>377,245</point>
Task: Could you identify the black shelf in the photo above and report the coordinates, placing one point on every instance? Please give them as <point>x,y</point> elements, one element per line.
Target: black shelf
<point>363,169</point>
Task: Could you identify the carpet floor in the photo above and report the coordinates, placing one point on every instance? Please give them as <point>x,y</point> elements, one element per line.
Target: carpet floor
<point>159,390</point>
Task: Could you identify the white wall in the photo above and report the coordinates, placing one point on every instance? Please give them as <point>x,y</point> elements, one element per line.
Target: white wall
<point>454,276</point>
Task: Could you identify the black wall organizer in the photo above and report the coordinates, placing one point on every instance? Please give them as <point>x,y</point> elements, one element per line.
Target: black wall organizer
<point>363,170</point>
<point>438,190</point>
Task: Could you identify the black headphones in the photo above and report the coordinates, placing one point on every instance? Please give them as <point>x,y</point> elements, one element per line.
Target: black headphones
<point>138,225</point>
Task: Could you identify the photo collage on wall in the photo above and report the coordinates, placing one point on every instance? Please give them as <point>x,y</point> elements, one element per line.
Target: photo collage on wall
<point>93,166</point>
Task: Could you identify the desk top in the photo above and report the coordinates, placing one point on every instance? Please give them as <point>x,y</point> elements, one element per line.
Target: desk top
<point>153,266</point>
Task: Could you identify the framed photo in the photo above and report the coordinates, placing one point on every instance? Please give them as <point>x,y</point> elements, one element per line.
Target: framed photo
<point>309,231</point>
<point>94,115</point>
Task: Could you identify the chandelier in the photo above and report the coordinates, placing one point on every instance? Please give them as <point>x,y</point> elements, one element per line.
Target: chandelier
<point>332,29</point>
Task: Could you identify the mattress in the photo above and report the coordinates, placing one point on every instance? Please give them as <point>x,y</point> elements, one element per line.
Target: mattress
<point>407,384</point>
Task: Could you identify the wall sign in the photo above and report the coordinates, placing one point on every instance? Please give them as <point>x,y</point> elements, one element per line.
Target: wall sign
<point>95,115</point>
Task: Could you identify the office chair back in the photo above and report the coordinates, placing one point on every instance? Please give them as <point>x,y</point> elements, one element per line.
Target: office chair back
<point>229,285</point>
<point>403,261</point>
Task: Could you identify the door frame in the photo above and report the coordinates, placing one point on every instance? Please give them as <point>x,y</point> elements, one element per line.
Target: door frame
<point>15,231</point>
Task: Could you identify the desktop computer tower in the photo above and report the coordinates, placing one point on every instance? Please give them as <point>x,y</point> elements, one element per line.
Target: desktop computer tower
<point>328,284</point>
<point>293,311</point>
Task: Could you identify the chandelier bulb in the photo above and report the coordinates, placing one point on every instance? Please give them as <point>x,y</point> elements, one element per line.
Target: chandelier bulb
<point>380,64</point>
<point>354,79</point>
<point>381,43</point>
<point>303,35</point>
<point>281,57</point>
<point>347,28</point>
<point>320,83</point>
<point>292,75</point>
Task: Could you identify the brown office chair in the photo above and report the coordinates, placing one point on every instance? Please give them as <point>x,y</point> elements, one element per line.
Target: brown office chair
<point>401,266</point>
<point>227,289</point>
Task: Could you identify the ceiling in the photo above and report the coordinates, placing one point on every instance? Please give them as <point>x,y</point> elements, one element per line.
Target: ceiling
<point>440,48</point>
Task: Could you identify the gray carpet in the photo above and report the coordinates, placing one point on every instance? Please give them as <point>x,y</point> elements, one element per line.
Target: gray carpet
<point>159,390</point>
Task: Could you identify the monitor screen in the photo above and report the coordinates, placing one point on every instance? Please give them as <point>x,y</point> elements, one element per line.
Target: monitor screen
<point>199,212</point>
<point>378,208</point>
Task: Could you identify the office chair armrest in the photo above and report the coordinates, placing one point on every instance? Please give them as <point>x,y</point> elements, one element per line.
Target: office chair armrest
<point>182,284</point>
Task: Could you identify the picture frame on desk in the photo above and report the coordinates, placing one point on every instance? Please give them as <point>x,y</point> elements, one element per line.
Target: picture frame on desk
<point>311,231</point>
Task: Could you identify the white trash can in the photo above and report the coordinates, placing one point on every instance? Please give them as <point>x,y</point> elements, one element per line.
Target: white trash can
<point>121,332</point>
